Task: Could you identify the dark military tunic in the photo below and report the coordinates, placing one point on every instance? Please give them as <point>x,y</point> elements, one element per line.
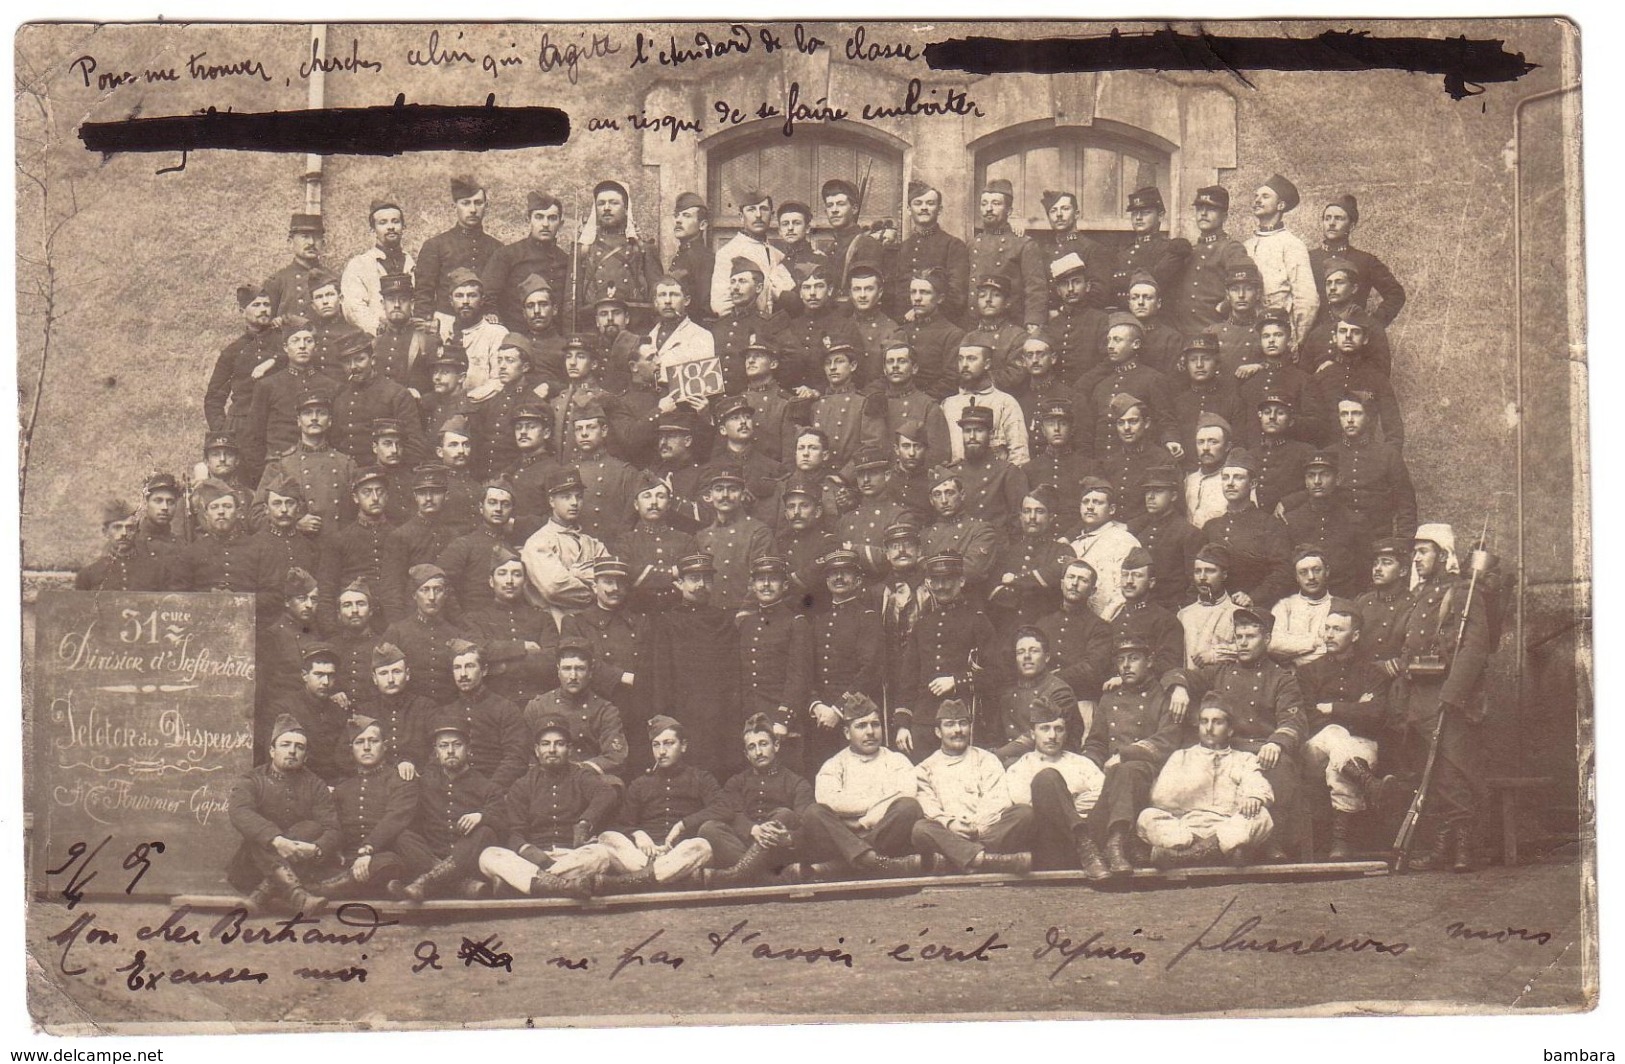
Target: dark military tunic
<point>1162,347</point>
<point>993,490</point>
<point>236,562</point>
<point>866,525</point>
<point>935,343</point>
<point>598,735</point>
<point>358,551</point>
<point>802,341</point>
<point>1320,345</point>
<point>620,643</point>
<point>1382,615</point>
<point>972,537</point>
<point>230,393</point>
<point>529,474</point>
<point>289,289</point>
<point>131,571</point>
<point>775,661</point>
<point>323,476</point>
<point>1093,400</point>
<point>1359,374</point>
<point>510,264</point>
<point>802,551</point>
<point>614,264</point>
<point>1375,276</point>
<point>1195,303</point>
<point>357,406</point>
<point>1281,464</point>
<point>606,508</point>
<point>1002,722</point>
<point>753,797</point>
<point>444,800</point>
<point>693,265</point>
<point>1063,471</point>
<point>1036,562</point>
<point>950,640</point>
<point>927,249</point>
<point>848,644</point>
<point>1080,649</point>
<point>293,549</point>
<point>457,248</point>
<point>507,626</point>
<point>375,805</point>
<point>323,723</point>
<point>330,335</point>
<point>651,552</point>
<point>427,646</point>
<point>1135,724</point>
<point>1344,682</point>
<point>1280,378</point>
<point>467,562</point>
<point>1261,553</point>
<point>1161,256</point>
<point>910,404</point>
<point>734,548</point>
<point>1126,467</point>
<point>420,541</point>
<point>1218,396</point>
<point>1173,544</point>
<point>848,248</point>
<point>1374,482</point>
<point>406,719</point>
<point>661,797</point>
<point>545,805</point>
<point>499,744</point>
<point>1099,261</point>
<point>778,415</point>
<point>266,803</point>
<point>1078,332</point>
<point>1002,251</point>
<point>354,649</point>
<point>639,441</point>
<point>878,332</point>
<point>1005,339</point>
<point>696,678</point>
<point>1266,704</point>
<point>732,333</point>
<point>403,354</point>
<point>1155,625</point>
<point>1334,528</point>
<point>851,419</point>
<point>1238,341</point>
<point>273,417</point>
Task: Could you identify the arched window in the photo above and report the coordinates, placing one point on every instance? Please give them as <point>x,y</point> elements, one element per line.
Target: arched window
<point>795,168</point>
<point>1100,167</point>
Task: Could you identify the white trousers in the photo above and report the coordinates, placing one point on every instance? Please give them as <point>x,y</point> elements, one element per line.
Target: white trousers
<point>1175,831</point>
<point>1328,751</point>
<point>611,852</point>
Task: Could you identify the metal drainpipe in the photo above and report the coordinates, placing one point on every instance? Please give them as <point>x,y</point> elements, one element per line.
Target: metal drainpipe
<point>317,100</point>
<point>1518,351</point>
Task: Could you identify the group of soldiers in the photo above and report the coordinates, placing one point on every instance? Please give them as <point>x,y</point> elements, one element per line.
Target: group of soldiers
<point>1026,550</point>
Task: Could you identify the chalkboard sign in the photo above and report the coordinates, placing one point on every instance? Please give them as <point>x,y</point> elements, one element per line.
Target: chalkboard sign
<point>695,377</point>
<point>143,720</point>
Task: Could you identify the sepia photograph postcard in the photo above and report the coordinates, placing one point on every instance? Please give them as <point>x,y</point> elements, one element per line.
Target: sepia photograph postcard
<point>765,521</point>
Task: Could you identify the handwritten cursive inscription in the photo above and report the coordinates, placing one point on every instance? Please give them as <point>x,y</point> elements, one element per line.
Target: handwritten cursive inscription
<point>1239,940</point>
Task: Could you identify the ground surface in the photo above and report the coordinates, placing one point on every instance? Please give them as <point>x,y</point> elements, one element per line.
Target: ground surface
<point>1418,966</point>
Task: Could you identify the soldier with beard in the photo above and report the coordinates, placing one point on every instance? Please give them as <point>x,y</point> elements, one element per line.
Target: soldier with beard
<point>506,622</point>
<point>121,567</point>
<point>288,823</point>
<point>468,329</point>
<point>364,397</point>
<point>289,288</point>
<point>363,275</point>
<point>465,246</point>
<point>460,814</point>
<point>537,252</point>
<point>614,260</point>
<point>403,350</point>
<point>242,363</point>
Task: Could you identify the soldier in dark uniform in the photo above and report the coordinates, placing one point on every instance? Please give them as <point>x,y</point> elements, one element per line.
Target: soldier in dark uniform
<point>533,463</point>
<point>542,325</point>
<point>1025,682</point>
<point>552,810</point>
<point>928,246</point>
<point>288,823</point>
<point>224,557</point>
<point>289,287</point>
<point>875,329</point>
<point>492,417</point>
<point>653,546</point>
<point>1133,455</point>
<point>460,814</point>
<point>1064,239</point>
<point>741,325</point>
<point>1166,532</point>
<point>522,639</point>
<point>419,540</point>
<point>1215,255</point>
<point>849,246</point>
<point>157,537</point>
<point>466,560</point>
<point>405,717</point>
<point>273,424</point>
<point>1027,570</point>
<point>993,487</point>
<point>536,252</point>
<point>614,260</point>
<point>223,461</point>
<point>1353,371</point>
<point>353,637</point>
<point>696,664</point>
<point>1152,250</point>
<point>332,333</point>
<point>403,350</point>
<point>777,410</point>
<point>762,804</point>
<point>622,667</point>
<point>852,420</point>
<point>465,246</point>
<point>584,386</point>
<point>1244,308</point>
<point>1373,479</point>
<point>374,806</point>
<point>1135,729</point>
<point>366,397</point>
<point>1057,461</point>
<point>598,734</point>
<point>1141,615</point>
<point>911,469</point>
<point>1124,374</point>
<point>992,328</point>
<point>446,399</point>
<point>735,419</point>
<point>1078,328</point>
<point>322,708</point>
<point>848,646</point>
<point>497,736</point>
<point>942,654</point>
<point>802,539</point>
<point>1275,375</point>
<point>1162,345</point>
<point>1340,297</point>
<point>864,528</point>
<point>1384,608</point>
<point>1337,219</point>
<point>121,567</point>
<point>775,651</point>
<point>1323,520</point>
<point>1206,390</point>
<point>426,636</point>
<point>454,448</point>
<point>322,473</point>
<point>954,529</point>
<point>907,405</point>
<point>694,262</point>
<point>930,336</point>
<point>285,532</point>
<point>822,322</point>
<point>242,363</point>
<point>1260,551</point>
<point>997,249</point>
<point>280,649</point>
<point>1282,458</point>
<point>1446,648</point>
<point>1268,708</point>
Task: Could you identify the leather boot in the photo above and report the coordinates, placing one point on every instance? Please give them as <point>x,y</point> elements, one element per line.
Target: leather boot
<point>625,882</point>
<point>1016,864</point>
<point>1342,828</point>
<point>753,865</point>
<point>1432,853</point>
<point>260,897</point>
<point>896,867</point>
<point>1374,787</point>
<point>1117,851</point>
<point>548,885</point>
<point>335,884</point>
<point>418,889</point>
<point>302,900</point>
<point>1462,854</point>
<point>1089,858</point>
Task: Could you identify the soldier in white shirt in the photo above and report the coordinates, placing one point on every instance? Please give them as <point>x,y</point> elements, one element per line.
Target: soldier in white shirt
<point>1062,786</point>
<point>1204,495</point>
<point>866,808</point>
<point>359,286</point>
<point>1209,631</point>
<point>1209,799</point>
<point>968,816</point>
<point>1300,620</point>
<point>1103,543</point>
<point>1282,257</point>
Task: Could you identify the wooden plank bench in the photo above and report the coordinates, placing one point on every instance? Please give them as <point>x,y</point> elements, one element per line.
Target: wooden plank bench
<point>1142,878</point>
<point>1506,790</point>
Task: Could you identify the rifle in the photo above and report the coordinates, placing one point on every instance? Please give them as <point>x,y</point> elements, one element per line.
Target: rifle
<point>1480,562</point>
<point>575,269</point>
